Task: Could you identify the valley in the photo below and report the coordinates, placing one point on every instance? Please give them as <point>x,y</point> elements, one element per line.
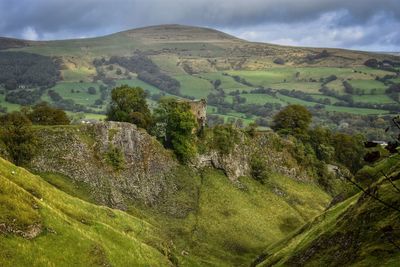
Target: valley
<point>227,71</point>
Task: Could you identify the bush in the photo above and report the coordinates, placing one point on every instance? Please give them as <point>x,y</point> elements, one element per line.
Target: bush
<point>293,119</point>
<point>175,128</point>
<point>91,90</point>
<point>129,104</point>
<point>115,158</point>
<point>224,138</point>
<point>259,169</point>
<point>43,114</point>
<point>17,137</point>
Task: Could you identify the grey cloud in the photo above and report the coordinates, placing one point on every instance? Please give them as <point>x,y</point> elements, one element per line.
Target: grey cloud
<point>76,18</point>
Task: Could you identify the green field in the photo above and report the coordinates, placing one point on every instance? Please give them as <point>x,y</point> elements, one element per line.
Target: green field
<point>261,99</point>
<point>368,86</point>
<point>227,82</point>
<point>307,87</point>
<point>10,106</point>
<point>358,111</point>
<point>193,86</point>
<point>375,99</point>
<point>138,83</point>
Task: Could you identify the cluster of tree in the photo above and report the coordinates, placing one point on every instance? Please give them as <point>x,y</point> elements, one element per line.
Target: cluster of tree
<point>214,119</point>
<point>239,104</point>
<point>328,79</point>
<point>24,97</point>
<point>241,80</point>
<point>67,104</point>
<point>387,65</point>
<point>172,121</point>
<point>394,92</point>
<point>129,104</point>
<point>44,114</point>
<point>346,100</point>
<point>262,90</point>
<point>348,88</point>
<point>304,96</point>
<point>20,68</point>
<point>174,124</point>
<point>386,79</point>
<point>16,133</point>
<point>327,146</point>
<point>148,72</point>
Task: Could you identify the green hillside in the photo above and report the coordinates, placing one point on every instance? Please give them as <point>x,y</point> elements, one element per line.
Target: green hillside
<point>195,58</point>
<point>359,231</point>
<point>43,226</point>
<point>199,217</point>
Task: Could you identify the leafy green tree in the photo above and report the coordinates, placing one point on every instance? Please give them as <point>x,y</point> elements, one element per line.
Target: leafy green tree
<point>17,136</point>
<point>175,125</point>
<point>293,119</point>
<point>349,150</point>
<point>129,104</point>
<point>44,114</point>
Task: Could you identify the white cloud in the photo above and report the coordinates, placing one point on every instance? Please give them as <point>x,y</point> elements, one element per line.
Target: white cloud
<point>29,33</point>
<point>326,30</point>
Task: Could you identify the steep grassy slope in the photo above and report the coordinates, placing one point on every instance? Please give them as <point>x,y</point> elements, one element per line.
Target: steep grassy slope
<point>195,216</point>
<point>42,226</point>
<point>359,231</point>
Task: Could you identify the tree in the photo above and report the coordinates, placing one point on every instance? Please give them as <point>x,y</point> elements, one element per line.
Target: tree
<point>17,136</point>
<point>44,114</point>
<point>91,90</point>
<point>349,150</point>
<point>177,124</point>
<point>293,119</point>
<point>129,104</point>
<point>10,84</point>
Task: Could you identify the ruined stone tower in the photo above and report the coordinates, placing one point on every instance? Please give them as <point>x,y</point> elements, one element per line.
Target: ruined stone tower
<point>199,110</point>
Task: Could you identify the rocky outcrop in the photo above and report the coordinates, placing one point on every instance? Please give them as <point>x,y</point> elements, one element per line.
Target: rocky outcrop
<point>86,153</point>
<point>122,163</point>
<point>268,147</point>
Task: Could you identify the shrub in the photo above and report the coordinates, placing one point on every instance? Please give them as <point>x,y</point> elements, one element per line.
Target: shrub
<point>129,104</point>
<point>224,138</point>
<point>115,158</point>
<point>17,137</point>
<point>175,125</point>
<point>259,169</point>
<point>44,114</point>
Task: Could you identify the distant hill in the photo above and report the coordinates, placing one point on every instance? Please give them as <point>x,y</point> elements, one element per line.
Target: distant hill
<point>190,61</point>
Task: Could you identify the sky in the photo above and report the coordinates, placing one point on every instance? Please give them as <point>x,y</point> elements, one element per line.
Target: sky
<point>371,25</point>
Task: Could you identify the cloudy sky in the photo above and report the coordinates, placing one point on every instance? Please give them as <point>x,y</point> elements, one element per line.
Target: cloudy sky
<point>355,24</point>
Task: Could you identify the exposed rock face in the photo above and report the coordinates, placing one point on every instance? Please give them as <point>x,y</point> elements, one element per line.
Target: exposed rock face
<point>273,150</point>
<point>234,164</point>
<point>147,172</point>
<point>80,152</point>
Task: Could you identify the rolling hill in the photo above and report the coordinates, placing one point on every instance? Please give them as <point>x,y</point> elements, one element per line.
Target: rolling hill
<point>203,63</point>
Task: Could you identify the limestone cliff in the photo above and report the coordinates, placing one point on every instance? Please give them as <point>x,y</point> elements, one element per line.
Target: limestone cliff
<point>122,163</point>
<point>268,147</point>
<point>82,152</point>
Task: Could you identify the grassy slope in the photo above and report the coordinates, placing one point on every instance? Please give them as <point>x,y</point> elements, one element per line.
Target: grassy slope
<point>349,233</point>
<point>225,224</point>
<point>228,225</point>
<point>74,232</point>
